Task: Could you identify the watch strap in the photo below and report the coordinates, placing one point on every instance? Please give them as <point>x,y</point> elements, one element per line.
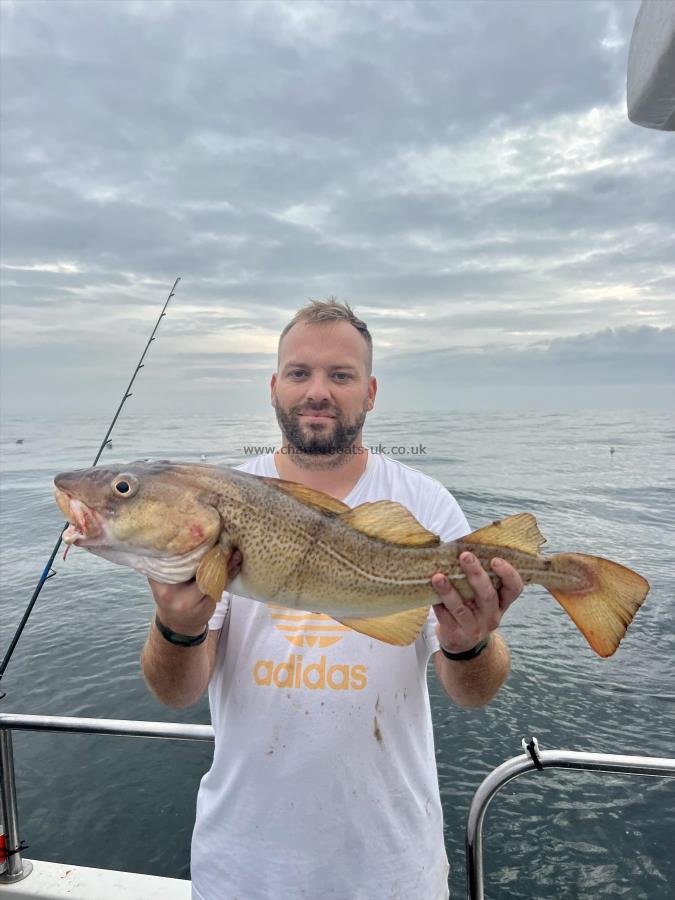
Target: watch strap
<point>180,640</point>
<point>466,654</point>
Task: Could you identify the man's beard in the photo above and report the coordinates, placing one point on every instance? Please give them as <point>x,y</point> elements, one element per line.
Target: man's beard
<point>337,443</point>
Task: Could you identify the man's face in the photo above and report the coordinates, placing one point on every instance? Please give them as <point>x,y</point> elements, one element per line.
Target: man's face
<point>323,388</point>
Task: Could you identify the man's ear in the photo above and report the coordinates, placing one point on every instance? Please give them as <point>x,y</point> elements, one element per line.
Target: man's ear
<point>273,384</point>
<point>372,391</point>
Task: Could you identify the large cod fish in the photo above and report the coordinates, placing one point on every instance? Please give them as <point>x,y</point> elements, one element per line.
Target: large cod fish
<point>369,567</point>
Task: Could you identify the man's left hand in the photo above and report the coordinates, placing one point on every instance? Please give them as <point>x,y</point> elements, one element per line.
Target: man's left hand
<point>464,623</point>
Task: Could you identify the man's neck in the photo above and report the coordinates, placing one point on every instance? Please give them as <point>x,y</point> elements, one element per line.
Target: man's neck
<point>334,475</point>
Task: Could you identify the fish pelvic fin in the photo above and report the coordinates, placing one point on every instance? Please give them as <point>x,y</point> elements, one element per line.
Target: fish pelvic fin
<point>211,573</point>
<point>519,532</point>
<point>604,608</point>
<point>391,522</point>
<point>400,629</point>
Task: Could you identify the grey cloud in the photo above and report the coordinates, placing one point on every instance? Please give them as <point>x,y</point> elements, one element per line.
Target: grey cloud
<point>633,354</point>
<point>268,158</point>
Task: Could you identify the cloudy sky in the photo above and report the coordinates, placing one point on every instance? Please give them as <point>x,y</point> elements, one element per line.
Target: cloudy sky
<point>463,173</point>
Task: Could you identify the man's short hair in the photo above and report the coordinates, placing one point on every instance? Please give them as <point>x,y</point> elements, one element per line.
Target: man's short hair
<point>331,310</point>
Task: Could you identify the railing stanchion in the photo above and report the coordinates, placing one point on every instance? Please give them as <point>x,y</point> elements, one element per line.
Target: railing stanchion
<point>12,867</point>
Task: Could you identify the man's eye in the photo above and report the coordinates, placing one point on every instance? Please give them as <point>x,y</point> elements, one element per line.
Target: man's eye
<point>341,376</point>
<point>296,373</point>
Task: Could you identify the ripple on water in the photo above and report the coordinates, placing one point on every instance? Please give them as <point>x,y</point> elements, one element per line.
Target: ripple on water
<point>556,835</point>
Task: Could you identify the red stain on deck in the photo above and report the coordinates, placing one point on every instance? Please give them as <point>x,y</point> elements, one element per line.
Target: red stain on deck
<point>197,531</point>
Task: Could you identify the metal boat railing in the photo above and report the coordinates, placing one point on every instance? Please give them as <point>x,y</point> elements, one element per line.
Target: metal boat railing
<point>533,760</point>
<point>14,867</point>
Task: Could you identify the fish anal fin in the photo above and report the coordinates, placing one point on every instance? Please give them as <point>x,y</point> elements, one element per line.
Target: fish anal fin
<point>604,607</point>
<point>400,629</point>
<point>308,496</point>
<point>211,573</point>
<point>518,532</point>
<point>392,522</point>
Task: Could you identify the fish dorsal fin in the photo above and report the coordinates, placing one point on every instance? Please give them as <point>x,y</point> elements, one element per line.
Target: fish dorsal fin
<point>390,522</point>
<point>400,629</point>
<point>308,496</point>
<point>211,574</point>
<point>515,532</point>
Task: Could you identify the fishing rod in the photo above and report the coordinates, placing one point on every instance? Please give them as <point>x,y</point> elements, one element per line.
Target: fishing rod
<point>48,572</point>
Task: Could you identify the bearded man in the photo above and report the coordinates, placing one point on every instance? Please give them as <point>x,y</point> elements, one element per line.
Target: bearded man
<point>324,782</point>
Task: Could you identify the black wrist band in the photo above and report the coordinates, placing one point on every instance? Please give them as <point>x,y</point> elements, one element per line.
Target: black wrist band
<point>466,654</point>
<point>180,640</point>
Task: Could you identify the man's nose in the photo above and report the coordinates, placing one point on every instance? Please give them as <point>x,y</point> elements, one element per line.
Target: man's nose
<point>318,388</point>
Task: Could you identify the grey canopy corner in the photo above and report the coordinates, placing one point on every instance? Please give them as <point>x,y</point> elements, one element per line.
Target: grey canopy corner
<point>651,66</point>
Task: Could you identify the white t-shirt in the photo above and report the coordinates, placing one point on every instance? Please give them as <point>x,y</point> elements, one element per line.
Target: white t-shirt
<point>323,782</point>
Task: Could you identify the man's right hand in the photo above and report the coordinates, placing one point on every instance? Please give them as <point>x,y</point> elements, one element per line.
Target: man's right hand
<point>183,607</point>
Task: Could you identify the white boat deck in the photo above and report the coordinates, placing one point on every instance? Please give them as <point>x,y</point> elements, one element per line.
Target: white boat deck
<point>54,881</point>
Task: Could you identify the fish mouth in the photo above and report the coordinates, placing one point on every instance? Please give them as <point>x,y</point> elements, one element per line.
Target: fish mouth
<point>85,525</point>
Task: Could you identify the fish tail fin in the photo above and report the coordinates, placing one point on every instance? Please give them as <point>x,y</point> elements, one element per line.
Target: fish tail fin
<point>604,606</point>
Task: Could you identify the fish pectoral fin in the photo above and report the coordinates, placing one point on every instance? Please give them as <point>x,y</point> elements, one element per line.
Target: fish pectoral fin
<point>211,574</point>
<point>308,496</point>
<point>519,532</point>
<point>392,522</point>
<point>400,629</point>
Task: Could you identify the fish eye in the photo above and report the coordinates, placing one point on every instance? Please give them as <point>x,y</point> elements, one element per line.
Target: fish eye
<point>125,485</point>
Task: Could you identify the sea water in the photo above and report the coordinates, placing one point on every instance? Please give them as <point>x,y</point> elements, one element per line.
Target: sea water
<point>129,803</point>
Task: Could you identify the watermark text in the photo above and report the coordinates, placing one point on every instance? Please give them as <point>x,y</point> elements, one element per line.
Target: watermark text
<point>386,449</point>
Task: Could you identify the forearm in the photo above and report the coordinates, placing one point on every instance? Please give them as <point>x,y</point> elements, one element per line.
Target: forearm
<point>473,683</point>
<point>177,676</point>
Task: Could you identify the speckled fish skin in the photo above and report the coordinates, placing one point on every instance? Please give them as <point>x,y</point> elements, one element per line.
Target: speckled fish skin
<point>294,553</point>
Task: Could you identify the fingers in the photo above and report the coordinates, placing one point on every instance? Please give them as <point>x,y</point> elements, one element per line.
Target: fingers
<point>485,592</point>
<point>468,614</point>
<point>512,583</point>
<point>451,599</point>
<point>459,627</point>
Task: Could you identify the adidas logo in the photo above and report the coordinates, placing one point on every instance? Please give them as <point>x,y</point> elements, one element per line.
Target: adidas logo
<point>315,676</point>
<point>307,629</point>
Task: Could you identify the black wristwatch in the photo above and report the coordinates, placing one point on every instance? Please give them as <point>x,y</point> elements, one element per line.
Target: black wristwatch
<point>180,640</point>
<point>466,654</point>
